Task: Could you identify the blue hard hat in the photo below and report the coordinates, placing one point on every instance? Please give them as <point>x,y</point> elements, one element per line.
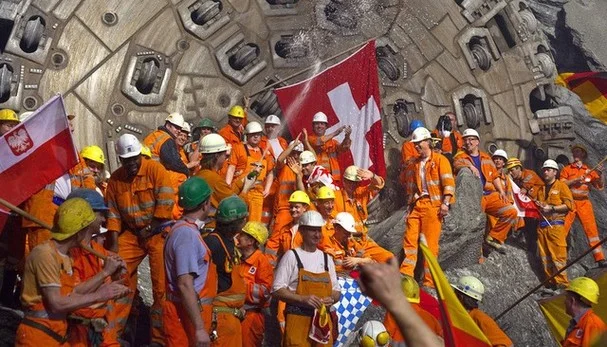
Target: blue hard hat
<point>91,196</point>
<point>416,123</point>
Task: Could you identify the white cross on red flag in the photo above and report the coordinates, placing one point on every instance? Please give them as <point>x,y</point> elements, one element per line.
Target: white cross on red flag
<point>35,153</point>
<point>348,93</point>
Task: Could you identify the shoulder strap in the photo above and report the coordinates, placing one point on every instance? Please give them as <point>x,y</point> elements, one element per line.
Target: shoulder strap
<point>299,263</point>
<point>326,261</point>
<point>225,249</point>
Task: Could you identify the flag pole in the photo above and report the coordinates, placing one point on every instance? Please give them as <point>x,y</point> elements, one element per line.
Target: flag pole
<point>26,215</point>
<point>311,67</point>
<point>551,277</point>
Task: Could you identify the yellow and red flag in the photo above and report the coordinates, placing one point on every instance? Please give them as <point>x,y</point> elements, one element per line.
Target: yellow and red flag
<point>458,326</point>
<point>591,87</point>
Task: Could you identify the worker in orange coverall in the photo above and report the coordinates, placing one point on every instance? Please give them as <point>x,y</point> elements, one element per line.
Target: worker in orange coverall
<point>408,151</point>
<point>326,147</point>
<point>360,186</point>
<point>278,144</point>
<point>258,275</point>
<point>554,201</point>
<point>349,253</point>
<point>51,287</point>
<point>469,290</point>
<point>430,189</point>
<point>411,290</point>
<point>580,178</point>
<point>585,327</point>
<point>93,325</point>
<point>191,278</point>
<point>140,196</point>
<point>495,202</point>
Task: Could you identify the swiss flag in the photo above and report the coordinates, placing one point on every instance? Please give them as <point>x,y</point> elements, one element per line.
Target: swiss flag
<point>35,153</point>
<point>348,93</point>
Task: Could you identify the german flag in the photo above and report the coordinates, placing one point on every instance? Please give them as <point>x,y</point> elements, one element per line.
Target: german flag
<point>458,327</point>
<point>591,87</point>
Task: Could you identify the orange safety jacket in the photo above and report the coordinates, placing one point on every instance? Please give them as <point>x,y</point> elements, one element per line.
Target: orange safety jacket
<point>586,332</point>
<point>581,190</point>
<point>154,142</point>
<point>326,155</point>
<point>408,153</point>
<point>427,317</point>
<point>530,181</point>
<point>287,184</point>
<point>488,169</point>
<point>281,241</point>
<point>232,137</point>
<point>134,202</point>
<point>490,329</point>
<point>220,188</point>
<point>258,275</point>
<point>559,194</point>
<point>244,158</point>
<point>81,176</point>
<point>439,179</point>
<point>356,204</point>
<point>360,247</point>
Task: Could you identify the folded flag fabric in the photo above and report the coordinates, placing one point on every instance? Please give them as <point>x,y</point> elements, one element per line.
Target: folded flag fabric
<point>320,329</point>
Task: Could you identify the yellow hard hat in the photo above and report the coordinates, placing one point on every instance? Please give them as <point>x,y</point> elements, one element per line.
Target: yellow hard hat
<point>351,174</point>
<point>8,115</point>
<point>325,192</point>
<point>93,153</point>
<point>299,196</point>
<point>236,111</point>
<point>72,216</point>
<point>410,288</point>
<point>513,162</point>
<point>586,288</point>
<point>145,151</point>
<point>256,230</point>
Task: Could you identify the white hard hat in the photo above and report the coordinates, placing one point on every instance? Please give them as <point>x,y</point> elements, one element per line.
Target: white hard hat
<point>470,132</point>
<point>213,143</point>
<point>272,119</point>
<point>320,117</point>
<point>311,219</point>
<point>128,146</point>
<point>351,173</point>
<point>500,153</point>
<point>253,128</point>
<point>186,127</point>
<point>420,134</point>
<point>306,157</point>
<point>299,147</point>
<point>346,221</point>
<point>175,119</point>
<point>373,334</point>
<point>470,286</point>
<point>550,164</point>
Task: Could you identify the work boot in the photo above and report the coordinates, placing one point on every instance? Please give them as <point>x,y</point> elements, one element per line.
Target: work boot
<point>602,263</point>
<point>490,241</point>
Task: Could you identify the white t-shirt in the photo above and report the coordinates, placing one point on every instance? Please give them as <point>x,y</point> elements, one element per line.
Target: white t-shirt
<point>422,175</point>
<point>286,274</point>
<point>276,147</point>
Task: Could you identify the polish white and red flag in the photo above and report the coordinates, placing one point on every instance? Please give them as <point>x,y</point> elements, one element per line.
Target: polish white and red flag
<point>348,93</point>
<point>35,153</point>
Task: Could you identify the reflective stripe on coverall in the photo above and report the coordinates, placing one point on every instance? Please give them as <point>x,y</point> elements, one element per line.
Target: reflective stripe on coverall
<point>424,216</point>
<point>586,331</point>
<point>280,242</point>
<point>178,328</point>
<point>552,239</point>
<point>287,184</point>
<point>583,205</point>
<point>490,329</point>
<point>299,319</point>
<point>258,275</point>
<point>268,201</point>
<point>28,336</point>
<point>326,155</point>
<point>395,334</point>
<point>227,304</point>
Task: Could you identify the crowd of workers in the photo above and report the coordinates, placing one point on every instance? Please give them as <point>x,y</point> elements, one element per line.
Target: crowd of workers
<point>199,203</point>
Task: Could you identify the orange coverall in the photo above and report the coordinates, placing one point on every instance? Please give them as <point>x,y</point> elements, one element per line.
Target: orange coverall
<point>361,247</point>
<point>268,201</point>
<point>356,204</point>
<point>28,336</point>
<point>221,190</point>
<point>134,203</point>
<point>491,203</point>
<point>258,276</point>
<point>552,238</point>
<point>424,208</point>
<point>281,241</point>
<point>408,154</point>
<point>490,328</point>
<point>586,331</point>
<point>244,158</point>
<point>326,154</point>
<point>287,184</point>
<point>583,205</point>
<point>427,317</point>
<point>232,137</point>
<point>178,328</point>
<point>85,266</point>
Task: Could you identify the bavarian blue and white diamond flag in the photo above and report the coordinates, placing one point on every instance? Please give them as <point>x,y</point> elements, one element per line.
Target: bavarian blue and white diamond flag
<point>349,309</point>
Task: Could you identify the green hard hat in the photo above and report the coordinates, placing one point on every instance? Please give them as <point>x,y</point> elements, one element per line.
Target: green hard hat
<point>193,192</point>
<point>230,209</point>
<point>207,123</point>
